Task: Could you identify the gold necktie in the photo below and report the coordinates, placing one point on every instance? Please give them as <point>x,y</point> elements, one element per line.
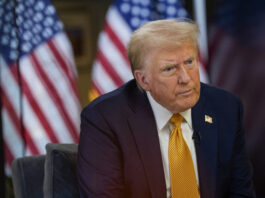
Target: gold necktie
<point>182,174</point>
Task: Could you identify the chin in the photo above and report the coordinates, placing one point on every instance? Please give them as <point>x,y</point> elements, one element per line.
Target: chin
<point>188,105</point>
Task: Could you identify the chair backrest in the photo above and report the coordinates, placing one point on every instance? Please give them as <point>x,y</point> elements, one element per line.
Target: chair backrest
<point>27,176</point>
<point>50,176</point>
<point>60,171</point>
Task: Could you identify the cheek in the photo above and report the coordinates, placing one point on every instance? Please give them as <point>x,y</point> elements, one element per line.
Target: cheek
<point>195,76</point>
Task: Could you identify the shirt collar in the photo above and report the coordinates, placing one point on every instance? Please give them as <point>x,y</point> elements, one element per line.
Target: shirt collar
<point>162,115</point>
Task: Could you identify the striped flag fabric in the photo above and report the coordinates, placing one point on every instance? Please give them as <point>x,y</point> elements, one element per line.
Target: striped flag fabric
<point>111,67</point>
<point>236,62</point>
<point>38,85</point>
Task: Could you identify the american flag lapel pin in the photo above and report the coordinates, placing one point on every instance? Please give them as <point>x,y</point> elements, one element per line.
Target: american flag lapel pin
<point>208,119</point>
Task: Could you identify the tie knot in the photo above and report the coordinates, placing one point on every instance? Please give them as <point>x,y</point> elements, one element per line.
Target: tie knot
<point>176,119</point>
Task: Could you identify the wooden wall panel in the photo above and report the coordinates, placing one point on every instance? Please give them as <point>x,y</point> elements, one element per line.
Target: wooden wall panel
<point>83,20</point>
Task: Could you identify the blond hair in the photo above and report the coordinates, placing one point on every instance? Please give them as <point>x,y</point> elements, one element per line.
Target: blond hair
<point>160,34</point>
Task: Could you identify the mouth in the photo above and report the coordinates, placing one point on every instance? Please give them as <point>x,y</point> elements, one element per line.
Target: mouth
<point>185,93</point>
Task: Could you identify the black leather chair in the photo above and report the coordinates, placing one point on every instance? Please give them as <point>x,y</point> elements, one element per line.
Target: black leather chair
<point>50,176</point>
<point>27,176</point>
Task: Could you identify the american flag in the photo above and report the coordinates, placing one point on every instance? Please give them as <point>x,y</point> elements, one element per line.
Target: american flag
<point>111,68</point>
<point>236,61</point>
<point>38,79</point>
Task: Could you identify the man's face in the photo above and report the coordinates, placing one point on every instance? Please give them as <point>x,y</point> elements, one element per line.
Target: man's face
<point>172,77</point>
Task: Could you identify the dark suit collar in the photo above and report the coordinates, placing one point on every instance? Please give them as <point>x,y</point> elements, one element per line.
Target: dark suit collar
<point>206,143</point>
<point>143,127</point>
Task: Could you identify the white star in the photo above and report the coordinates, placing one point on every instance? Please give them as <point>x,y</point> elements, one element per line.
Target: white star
<point>49,10</point>
<point>39,6</point>
<point>145,12</point>
<point>27,35</point>
<point>27,24</point>
<point>28,3</point>
<point>36,39</point>
<point>7,28</point>
<point>38,17</point>
<point>14,32</point>
<point>31,2</point>
<point>19,20</point>
<point>5,40</point>
<point>125,7</point>
<point>135,21</point>
<point>8,17</point>
<point>14,43</point>
<point>171,10</point>
<point>48,21</point>
<point>145,2</point>
<point>26,47</point>
<point>136,1</point>
<point>30,11</point>
<point>136,10</point>
<point>37,28</point>
<point>20,8</point>
<point>13,55</point>
<point>47,33</point>
<point>172,1</point>
<point>59,25</point>
<point>182,12</point>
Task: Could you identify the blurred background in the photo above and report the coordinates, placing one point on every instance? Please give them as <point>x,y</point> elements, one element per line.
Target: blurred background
<point>232,56</point>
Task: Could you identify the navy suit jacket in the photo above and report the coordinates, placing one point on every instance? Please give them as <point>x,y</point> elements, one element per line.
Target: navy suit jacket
<point>119,154</point>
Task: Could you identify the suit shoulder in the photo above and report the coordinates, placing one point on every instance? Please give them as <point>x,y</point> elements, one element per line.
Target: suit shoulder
<point>219,96</point>
<point>111,100</point>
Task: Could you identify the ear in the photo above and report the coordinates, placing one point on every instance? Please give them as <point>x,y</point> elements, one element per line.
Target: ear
<point>142,78</point>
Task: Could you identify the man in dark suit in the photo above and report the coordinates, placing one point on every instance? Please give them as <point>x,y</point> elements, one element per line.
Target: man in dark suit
<point>164,134</point>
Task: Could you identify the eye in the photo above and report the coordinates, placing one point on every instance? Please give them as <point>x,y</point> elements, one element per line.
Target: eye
<point>169,70</point>
<point>188,62</point>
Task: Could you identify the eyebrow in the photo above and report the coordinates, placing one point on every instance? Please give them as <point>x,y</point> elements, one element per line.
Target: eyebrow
<point>176,64</point>
<point>168,65</point>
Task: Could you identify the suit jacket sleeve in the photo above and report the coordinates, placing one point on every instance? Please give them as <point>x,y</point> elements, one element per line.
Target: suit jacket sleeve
<point>99,166</point>
<point>241,181</point>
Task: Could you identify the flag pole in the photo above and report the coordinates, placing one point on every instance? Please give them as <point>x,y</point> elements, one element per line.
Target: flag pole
<point>2,153</point>
<point>2,166</point>
<point>199,8</point>
<point>200,17</point>
<point>20,83</point>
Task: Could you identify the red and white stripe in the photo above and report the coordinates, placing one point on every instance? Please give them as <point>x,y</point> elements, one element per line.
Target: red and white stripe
<point>111,68</point>
<point>49,99</point>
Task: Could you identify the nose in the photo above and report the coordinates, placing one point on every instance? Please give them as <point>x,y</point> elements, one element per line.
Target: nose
<point>183,75</point>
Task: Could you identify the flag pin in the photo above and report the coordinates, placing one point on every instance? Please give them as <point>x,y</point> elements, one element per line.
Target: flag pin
<point>208,119</point>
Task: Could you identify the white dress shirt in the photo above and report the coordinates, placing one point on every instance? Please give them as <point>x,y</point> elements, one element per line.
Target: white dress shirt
<point>164,127</point>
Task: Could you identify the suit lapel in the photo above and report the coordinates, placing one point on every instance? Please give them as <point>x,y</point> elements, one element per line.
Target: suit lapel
<point>206,143</point>
<point>143,127</point>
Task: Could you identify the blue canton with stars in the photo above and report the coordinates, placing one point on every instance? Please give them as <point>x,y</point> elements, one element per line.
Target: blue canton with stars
<point>138,12</point>
<point>24,25</point>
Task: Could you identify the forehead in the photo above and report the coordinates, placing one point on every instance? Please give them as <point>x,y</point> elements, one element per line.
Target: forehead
<point>172,54</point>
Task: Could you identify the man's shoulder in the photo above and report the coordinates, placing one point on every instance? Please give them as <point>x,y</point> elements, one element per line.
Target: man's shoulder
<point>218,95</point>
<point>114,99</point>
<point>213,91</point>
